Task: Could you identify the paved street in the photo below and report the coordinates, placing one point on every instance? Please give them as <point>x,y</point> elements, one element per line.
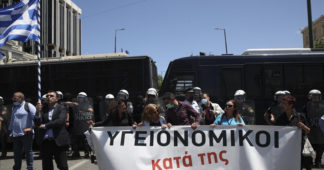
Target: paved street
<point>79,164</point>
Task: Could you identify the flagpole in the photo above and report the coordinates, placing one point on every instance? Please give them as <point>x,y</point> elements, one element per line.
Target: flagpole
<point>39,81</point>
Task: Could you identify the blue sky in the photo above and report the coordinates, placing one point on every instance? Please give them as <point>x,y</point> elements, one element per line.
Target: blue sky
<point>170,29</point>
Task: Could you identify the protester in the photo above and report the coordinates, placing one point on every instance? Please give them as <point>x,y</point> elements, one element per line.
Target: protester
<point>190,95</point>
<point>4,124</point>
<point>118,116</point>
<point>152,117</point>
<point>180,113</point>
<point>314,110</point>
<point>290,117</point>
<point>210,110</point>
<point>230,117</point>
<point>197,94</point>
<point>21,127</point>
<point>52,137</point>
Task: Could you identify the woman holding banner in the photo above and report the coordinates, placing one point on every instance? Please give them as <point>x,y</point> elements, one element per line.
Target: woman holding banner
<point>118,116</point>
<point>230,117</point>
<point>151,117</point>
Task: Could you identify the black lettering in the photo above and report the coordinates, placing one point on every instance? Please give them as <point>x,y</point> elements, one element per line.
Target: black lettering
<point>203,138</point>
<point>232,137</point>
<point>244,137</point>
<point>151,138</point>
<point>123,137</point>
<point>139,141</point>
<point>222,136</point>
<point>177,136</point>
<point>112,137</point>
<point>167,142</point>
<point>258,138</point>
<point>276,139</point>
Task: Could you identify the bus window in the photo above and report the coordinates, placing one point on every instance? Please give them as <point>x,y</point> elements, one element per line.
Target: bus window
<point>231,81</point>
<point>253,80</point>
<point>183,82</point>
<point>313,76</point>
<point>273,79</point>
<point>294,78</point>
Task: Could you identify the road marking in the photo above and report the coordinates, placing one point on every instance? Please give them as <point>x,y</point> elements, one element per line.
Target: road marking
<point>78,164</point>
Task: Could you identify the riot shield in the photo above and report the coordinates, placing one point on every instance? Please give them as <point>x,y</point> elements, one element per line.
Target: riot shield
<point>247,111</point>
<point>315,110</point>
<point>83,112</point>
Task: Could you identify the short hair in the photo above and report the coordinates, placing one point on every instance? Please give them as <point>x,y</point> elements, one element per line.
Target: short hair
<point>168,95</point>
<point>52,91</point>
<point>290,100</point>
<point>20,94</point>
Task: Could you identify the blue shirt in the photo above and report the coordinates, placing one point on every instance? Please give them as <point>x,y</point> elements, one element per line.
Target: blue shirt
<point>227,121</point>
<point>21,119</point>
<point>49,132</point>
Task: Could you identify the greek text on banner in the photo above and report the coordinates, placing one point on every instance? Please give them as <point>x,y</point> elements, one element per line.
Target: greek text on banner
<point>181,148</point>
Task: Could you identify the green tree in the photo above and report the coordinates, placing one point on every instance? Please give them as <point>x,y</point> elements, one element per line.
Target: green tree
<point>160,80</point>
<point>319,43</point>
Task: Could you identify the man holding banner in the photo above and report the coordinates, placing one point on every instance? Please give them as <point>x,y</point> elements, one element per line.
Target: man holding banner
<point>180,113</point>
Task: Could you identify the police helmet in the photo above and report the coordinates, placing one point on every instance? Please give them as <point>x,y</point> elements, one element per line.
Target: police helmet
<point>239,93</point>
<point>123,94</point>
<point>59,95</point>
<point>197,90</point>
<point>152,91</point>
<point>109,96</point>
<point>82,94</point>
<point>313,92</point>
<point>277,94</point>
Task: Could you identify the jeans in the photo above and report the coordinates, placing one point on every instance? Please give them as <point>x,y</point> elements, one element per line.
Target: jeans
<point>21,143</point>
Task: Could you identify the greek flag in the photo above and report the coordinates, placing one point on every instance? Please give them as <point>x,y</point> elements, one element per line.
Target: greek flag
<point>20,22</point>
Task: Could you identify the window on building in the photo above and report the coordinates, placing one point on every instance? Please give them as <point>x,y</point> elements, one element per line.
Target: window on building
<point>61,26</point>
<point>68,31</point>
<point>75,20</point>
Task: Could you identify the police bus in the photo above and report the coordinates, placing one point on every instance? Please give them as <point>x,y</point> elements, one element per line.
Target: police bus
<point>259,72</point>
<point>96,75</point>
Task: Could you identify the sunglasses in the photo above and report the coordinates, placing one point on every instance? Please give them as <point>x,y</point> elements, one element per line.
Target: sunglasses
<point>228,106</point>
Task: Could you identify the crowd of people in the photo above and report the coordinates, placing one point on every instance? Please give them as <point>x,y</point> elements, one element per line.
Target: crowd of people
<point>58,123</point>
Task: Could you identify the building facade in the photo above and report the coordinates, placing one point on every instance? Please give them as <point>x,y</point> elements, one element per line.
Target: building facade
<point>60,32</point>
<point>318,33</point>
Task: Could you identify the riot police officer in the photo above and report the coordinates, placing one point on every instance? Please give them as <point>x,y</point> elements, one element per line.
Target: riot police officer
<point>314,111</point>
<point>244,107</point>
<point>82,113</point>
<point>124,96</point>
<point>275,109</point>
<point>4,124</point>
<point>151,96</point>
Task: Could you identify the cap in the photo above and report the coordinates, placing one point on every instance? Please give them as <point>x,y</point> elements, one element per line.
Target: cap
<point>109,96</point>
<point>279,93</point>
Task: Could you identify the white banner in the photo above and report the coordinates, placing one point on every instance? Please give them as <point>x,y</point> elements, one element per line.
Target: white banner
<point>206,148</point>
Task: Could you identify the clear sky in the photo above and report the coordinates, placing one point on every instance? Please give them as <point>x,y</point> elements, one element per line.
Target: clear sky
<point>170,29</point>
